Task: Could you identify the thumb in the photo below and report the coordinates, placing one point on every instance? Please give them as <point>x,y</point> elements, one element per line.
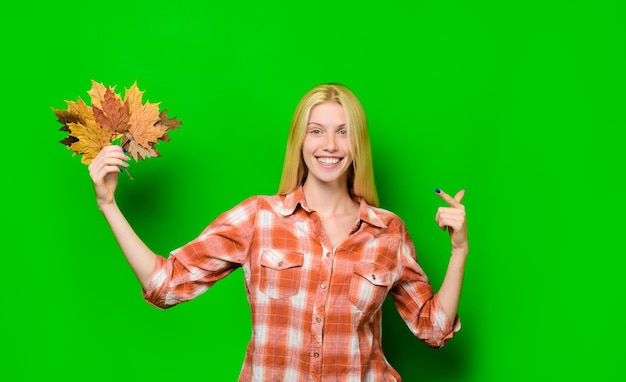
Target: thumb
<point>459,195</point>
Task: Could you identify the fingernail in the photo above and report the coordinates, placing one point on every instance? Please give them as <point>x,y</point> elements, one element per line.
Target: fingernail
<point>123,149</point>
<point>437,190</point>
<point>121,169</point>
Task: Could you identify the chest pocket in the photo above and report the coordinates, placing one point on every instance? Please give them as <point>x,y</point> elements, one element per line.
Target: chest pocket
<point>369,286</point>
<point>280,273</point>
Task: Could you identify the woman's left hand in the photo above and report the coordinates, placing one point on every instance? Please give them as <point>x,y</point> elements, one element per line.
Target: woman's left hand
<point>453,218</point>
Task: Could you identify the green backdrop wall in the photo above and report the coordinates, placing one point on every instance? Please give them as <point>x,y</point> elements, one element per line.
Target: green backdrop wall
<point>521,103</point>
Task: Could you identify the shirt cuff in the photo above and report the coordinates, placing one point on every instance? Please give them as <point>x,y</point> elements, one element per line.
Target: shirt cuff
<point>447,327</point>
<point>152,294</point>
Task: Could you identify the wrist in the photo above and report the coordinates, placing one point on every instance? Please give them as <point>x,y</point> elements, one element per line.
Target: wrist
<point>107,206</point>
<point>460,251</point>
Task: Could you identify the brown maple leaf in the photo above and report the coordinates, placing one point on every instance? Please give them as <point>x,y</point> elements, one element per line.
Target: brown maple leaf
<point>77,113</point>
<point>69,140</point>
<point>166,124</point>
<point>113,115</point>
<point>64,117</point>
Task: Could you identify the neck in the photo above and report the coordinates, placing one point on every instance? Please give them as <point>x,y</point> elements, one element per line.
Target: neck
<point>328,199</point>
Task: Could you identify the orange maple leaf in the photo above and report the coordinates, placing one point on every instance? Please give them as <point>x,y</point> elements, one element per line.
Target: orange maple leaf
<point>138,151</point>
<point>142,124</point>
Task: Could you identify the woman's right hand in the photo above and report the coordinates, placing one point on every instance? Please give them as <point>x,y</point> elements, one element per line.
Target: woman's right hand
<point>104,169</point>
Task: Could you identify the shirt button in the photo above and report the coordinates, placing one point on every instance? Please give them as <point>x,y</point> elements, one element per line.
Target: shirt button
<point>280,263</point>
<point>327,254</point>
<point>323,286</point>
<point>318,319</point>
<point>316,355</point>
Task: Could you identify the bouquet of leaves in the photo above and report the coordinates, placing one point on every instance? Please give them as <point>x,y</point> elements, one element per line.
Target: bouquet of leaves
<point>111,119</point>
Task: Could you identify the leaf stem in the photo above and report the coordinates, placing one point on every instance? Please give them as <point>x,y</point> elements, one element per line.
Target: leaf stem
<point>128,173</point>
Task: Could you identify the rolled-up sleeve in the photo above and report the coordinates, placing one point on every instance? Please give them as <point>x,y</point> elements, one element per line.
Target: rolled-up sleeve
<point>418,306</point>
<point>193,268</point>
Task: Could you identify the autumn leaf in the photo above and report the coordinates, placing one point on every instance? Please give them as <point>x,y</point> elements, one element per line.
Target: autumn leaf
<point>142,124</point>
<point>110,117</point>
<point>64,117</point>
<point>113,116</point>
<point>97,93</point>
<point>133,97</point>
<point>77,113</point>
<point>166,124</point>
<point>81,111</point>
<point>137,151</point>
<point>90,139</point>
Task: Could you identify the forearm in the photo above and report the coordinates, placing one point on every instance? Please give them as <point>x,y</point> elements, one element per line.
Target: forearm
<point>141,259</point>
<point>450,292</point>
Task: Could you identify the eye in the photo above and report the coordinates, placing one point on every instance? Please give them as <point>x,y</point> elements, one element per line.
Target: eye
<point>315,132</point>
<point>343,132</point>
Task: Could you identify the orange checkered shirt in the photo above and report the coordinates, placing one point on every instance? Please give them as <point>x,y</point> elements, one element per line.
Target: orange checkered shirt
<point>316,311</point>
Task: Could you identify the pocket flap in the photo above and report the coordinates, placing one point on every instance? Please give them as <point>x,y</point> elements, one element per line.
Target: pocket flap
<point>374,273</point>
<point>278,260</point>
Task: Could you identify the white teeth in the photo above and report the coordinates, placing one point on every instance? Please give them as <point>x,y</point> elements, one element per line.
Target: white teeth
<point>328,160</point>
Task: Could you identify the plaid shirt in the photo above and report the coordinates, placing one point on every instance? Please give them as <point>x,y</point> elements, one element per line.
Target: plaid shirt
<point>316,311</point>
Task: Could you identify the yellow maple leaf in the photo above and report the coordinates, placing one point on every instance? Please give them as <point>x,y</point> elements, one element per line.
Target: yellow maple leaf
<point>97,93</point>
<point>90,140</point>
<point>81,111</point>
<point>132,97</point>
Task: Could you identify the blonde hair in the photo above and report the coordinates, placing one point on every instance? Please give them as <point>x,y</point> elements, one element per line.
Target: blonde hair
<point>361,174</point>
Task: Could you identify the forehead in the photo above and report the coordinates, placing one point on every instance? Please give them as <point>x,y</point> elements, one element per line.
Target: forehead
<point>327,113</point>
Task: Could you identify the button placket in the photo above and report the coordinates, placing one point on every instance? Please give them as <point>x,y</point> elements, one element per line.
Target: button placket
<point>319,306</point>
<point>323,260</point>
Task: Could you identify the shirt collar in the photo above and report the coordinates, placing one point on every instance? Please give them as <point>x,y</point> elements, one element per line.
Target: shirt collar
<point>291,201</point>
<point>367,213</point>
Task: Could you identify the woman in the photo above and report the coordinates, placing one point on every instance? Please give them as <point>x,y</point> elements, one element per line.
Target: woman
<point>318,258</point>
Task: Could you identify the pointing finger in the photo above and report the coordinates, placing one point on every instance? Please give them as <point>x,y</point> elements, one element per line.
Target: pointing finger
<point>450,200</point>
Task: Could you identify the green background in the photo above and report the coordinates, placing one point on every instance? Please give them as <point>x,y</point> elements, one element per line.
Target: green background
<point>521,103</point>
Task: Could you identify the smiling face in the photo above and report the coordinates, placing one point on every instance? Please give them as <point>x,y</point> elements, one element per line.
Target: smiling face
<point>326,147</point>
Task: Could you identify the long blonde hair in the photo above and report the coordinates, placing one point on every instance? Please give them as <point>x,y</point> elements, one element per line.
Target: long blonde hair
<point>361,174</point>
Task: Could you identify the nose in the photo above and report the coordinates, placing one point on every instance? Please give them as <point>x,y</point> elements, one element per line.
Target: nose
<point>330,144</point>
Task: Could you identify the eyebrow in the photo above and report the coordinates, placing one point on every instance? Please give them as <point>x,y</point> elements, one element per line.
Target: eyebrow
<point>319,124</point>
